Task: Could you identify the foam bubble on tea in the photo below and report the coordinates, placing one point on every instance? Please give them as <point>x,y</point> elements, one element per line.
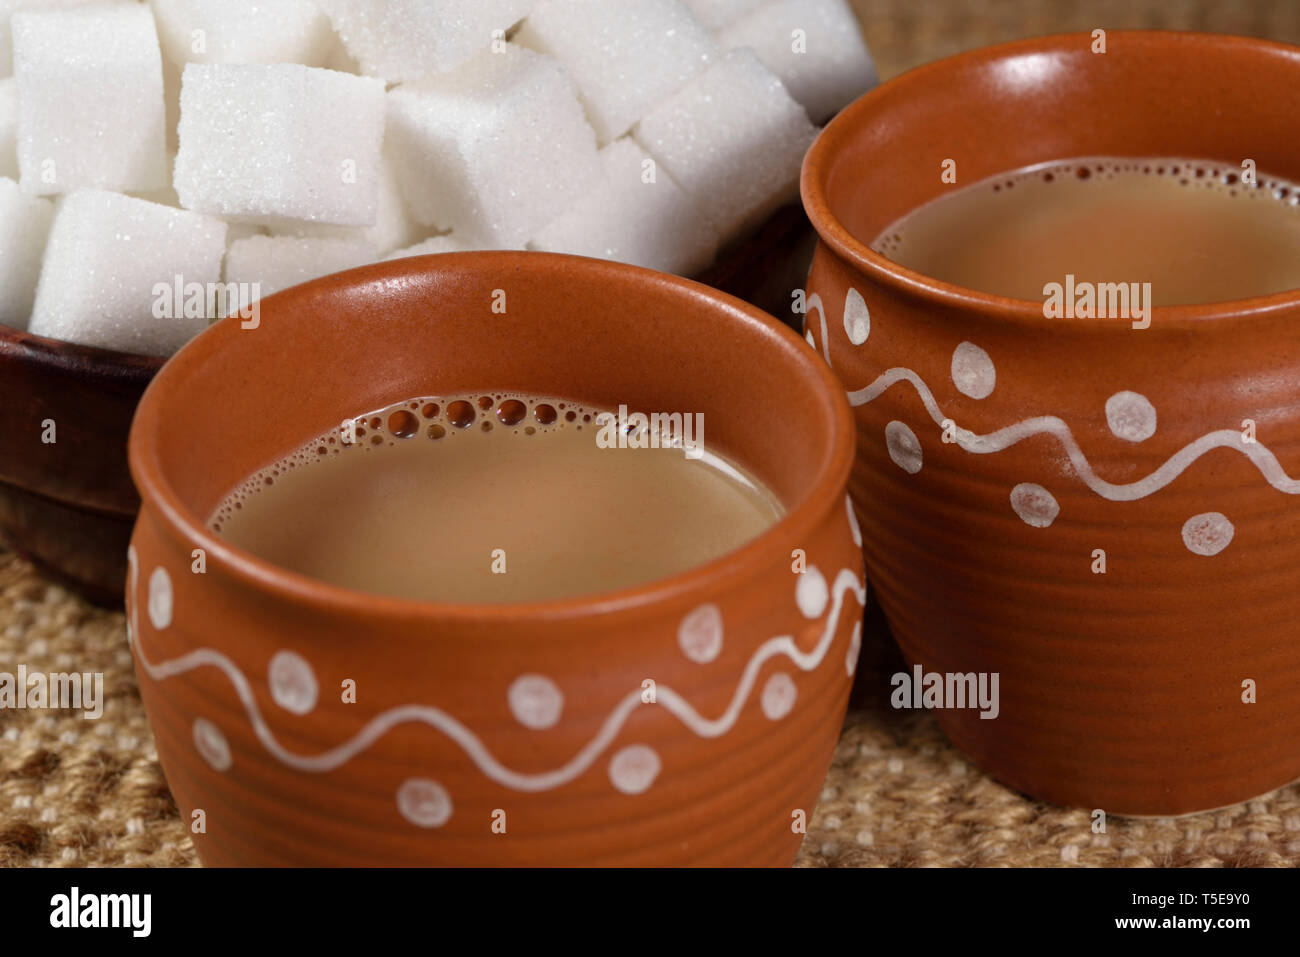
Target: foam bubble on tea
<point>496,498</point>
<point>1193,229</point>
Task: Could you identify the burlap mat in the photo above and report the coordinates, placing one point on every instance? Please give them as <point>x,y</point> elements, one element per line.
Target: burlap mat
<point>76,792</point>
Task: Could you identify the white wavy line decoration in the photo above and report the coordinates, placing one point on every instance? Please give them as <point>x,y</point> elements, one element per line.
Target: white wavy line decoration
<point>469,742</point>
<point>1258,454</point>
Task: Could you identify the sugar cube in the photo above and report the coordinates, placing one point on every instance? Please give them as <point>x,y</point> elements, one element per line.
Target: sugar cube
<point>127,274</point>
<point>402,40</point>
<point>429,247</point>
<point>24,226</point>
<point>9,7</point>
<point>624,57</point>
<point>90,99</point>
<point>393,226</point>
<point>9,127</point>
<point>271,143</point>
<point>494,149</point>
<point>814,46</point>
<point>635,214</point>
<point>243,31</point>
<point>733,139</point>
<point>278,262</point>
<point>716,14</point>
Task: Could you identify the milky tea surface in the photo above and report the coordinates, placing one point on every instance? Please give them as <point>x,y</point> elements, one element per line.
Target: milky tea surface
<point>1191,228</point>
<point>495,498</point>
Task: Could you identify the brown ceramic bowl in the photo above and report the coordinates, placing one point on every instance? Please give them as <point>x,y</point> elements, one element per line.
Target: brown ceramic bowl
<point>1120,690</point>
<point>240,667</point>
<point>68,505</point>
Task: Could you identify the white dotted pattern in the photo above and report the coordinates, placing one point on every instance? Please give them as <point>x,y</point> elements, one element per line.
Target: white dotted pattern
<point>293,683</point>
<point>700,634</point>
<point>211,744</point>
<point>1208,533</point>
<point>634,769</point>
<point>160,598</point>
<point>972,371</point>
<point>811,593</point>
<point>424,803</point>
<point>536,701</point>
<point>1034,504</point>
<point>779,695</point>
<point>857,318</point>
<point>1131,416</point>
<point>903,446</point>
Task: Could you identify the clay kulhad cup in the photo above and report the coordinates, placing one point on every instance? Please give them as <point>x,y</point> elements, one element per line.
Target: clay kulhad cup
<point>686,721</point>
<point>1112,525</point>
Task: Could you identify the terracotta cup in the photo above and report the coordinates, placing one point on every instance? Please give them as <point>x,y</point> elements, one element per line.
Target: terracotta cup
<point>1134,586</point>
<point>690,720</point>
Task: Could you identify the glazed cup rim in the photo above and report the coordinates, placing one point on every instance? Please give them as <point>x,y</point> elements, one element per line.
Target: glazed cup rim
<point>864,110</point>
<point>260,575</point>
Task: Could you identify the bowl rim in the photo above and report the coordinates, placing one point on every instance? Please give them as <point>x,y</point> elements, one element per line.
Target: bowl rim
<point>910,283</point>
<point>75,359</point>
<point>826,492</point>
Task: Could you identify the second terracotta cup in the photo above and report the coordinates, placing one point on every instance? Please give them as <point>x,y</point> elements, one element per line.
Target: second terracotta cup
<point>1136,587</point>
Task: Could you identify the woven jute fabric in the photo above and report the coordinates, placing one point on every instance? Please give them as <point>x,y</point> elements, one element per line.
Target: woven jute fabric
<point>77,792</point>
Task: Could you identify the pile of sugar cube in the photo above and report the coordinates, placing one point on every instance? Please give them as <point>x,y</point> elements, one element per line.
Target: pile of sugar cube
<point>152,151</point>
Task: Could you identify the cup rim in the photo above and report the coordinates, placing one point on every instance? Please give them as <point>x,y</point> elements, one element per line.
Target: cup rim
<point>263,576</point>
<point>908,282</point>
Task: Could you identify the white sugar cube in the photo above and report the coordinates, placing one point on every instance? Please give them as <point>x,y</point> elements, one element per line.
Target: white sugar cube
<point>732,138</point>
<point>715,14</point>
<point>393,226</point>
<point>9,127</point>
<point>278,262</point>
<point>636,214</point>
<point>122,273</point>
<point>24,226</point>
<point>275,143</point>
<point>9,7</point>
<point>243,31</point>
<point>403,40</point>
<point>430,247</point>
<point>624,57</point>
<point>90,99</point>
<point>493,150</point>
<point>814,46</point>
